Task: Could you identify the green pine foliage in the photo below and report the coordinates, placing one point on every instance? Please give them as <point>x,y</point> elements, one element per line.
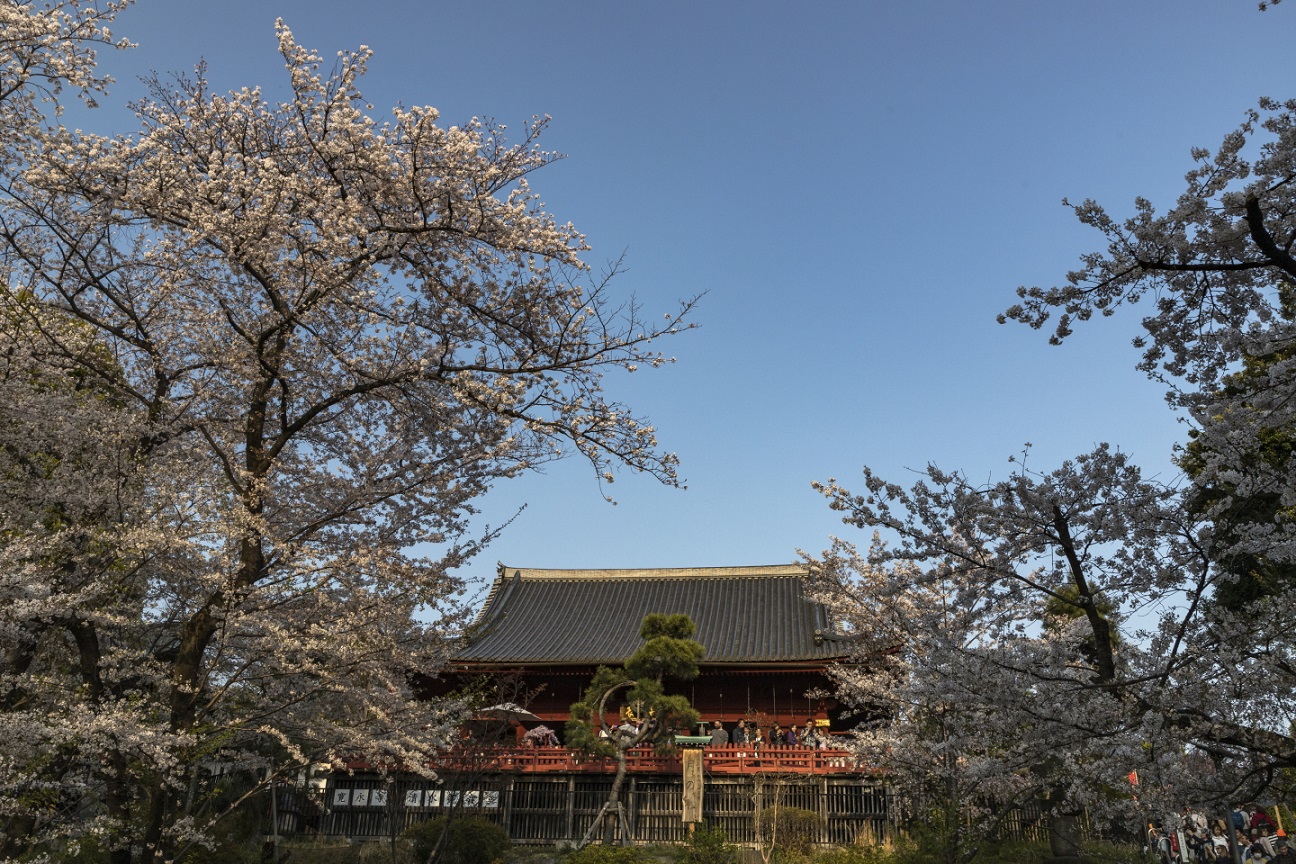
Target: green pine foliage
<point>582,730</point>
<point>669,651</point>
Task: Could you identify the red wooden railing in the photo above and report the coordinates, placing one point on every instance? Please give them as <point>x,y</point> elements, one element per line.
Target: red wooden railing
<point>730,759</point>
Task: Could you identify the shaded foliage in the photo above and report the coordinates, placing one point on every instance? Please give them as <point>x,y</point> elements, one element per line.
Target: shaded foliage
<point>468,840</point>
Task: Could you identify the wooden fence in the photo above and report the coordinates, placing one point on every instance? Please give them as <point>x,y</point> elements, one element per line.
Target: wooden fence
<point>551,795</point>
<point>555,808</point>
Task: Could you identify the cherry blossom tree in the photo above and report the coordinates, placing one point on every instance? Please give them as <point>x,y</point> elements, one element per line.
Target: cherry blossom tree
<point>914,692</point>
<point>1219,270</point>
<point>1100,626</point>
<point>1006,613</point>
<point>62,489</point>
<point>47,50</point>
<point>270,356</point>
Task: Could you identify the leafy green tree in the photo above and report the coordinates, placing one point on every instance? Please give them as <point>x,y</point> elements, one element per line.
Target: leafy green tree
<point>669,651</point>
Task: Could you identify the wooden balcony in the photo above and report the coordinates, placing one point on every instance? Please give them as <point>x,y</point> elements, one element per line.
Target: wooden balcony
<point>733,759</point>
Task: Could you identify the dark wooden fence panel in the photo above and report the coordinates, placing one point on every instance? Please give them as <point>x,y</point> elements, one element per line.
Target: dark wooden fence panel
<point>657,809</point>
<point>855,812</point>
<point>727,804</point>
<point>539,810</point>
<point>591,793</point>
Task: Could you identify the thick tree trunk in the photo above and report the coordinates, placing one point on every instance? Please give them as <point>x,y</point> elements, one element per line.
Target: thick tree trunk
<point>1064,828</point>
<point>187,684</point>
<point>611,815</point>
<point>614,802</point>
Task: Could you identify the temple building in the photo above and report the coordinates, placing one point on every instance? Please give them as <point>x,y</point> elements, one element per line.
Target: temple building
<point>768,646</point>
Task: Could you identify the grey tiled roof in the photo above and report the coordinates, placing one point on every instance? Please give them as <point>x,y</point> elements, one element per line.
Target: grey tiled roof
<point>743,614</point>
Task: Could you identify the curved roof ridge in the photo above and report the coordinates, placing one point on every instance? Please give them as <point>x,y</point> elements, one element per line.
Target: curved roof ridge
<point>757,571</point>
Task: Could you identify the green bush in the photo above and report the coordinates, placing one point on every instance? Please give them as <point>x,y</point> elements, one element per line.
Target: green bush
<point>709,846</point>
<point>908,851</point>
<point>1015,852</point>
<point>609,855</point>
<point>791,829</point>
<point>857,855</point>
<point>379,852</point>
<point>471,841</point>
<point>322,851</point>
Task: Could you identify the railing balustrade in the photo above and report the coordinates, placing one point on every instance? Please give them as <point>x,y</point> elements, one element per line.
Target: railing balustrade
<point>725,759</point>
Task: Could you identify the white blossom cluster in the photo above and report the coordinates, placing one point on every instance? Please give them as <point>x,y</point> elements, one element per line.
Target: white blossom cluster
<point>258,360</point>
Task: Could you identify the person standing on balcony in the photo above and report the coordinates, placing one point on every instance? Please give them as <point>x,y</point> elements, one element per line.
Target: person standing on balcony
<point>719,737</point>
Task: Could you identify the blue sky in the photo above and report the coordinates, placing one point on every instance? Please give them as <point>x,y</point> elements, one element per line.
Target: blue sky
<point>857,187</point>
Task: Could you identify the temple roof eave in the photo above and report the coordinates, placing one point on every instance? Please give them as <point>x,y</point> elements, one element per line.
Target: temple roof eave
<point>744,615</point>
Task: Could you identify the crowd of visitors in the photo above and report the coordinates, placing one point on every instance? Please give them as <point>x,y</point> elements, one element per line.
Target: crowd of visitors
<point>748,733</point>
<point>1190,837</point>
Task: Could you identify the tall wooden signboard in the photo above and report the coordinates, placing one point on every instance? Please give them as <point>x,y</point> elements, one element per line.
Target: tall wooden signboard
<point>692,809</point>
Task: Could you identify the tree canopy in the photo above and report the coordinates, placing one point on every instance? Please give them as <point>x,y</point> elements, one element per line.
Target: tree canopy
<point>669,651</point>
<point>261,359</point>
<point>1088,618</point>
